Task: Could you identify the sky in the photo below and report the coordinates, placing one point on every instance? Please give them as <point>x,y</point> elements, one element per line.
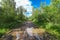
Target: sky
<point>29,4</point>
<point>36,3</point>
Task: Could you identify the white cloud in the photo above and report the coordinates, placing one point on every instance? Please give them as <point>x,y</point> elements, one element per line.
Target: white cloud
<point>25,3</point>
<point>0,0</point>
<point>0,4</point>
<point>22,3</point>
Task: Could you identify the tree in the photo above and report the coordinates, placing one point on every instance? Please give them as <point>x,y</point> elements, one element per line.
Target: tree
<point>9,10</point>
<point>20,13</point>
<point>9,7</point>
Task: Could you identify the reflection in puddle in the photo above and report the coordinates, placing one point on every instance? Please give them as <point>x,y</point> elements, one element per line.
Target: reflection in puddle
<point>29,31</point>
<point>17,36</point>
<point>31,35</point>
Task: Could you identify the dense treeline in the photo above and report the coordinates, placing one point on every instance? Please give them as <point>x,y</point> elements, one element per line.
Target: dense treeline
<point>10,16</point>
<point>48,17</point>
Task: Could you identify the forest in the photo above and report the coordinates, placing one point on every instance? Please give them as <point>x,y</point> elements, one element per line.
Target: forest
<point>46,17</point>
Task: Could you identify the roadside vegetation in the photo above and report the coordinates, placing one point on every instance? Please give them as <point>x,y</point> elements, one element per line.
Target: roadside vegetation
<point>48,17</point>
<point>10,16</point>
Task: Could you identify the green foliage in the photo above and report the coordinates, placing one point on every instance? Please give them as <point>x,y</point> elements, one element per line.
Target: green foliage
<point>8,16</point>
<point>53,29</point>
<point>3,31</point>
<point>48,17</point>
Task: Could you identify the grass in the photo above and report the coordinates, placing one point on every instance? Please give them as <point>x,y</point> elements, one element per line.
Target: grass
<point>5,27</point>
<point>53,29</point>
<point>3,31</point>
